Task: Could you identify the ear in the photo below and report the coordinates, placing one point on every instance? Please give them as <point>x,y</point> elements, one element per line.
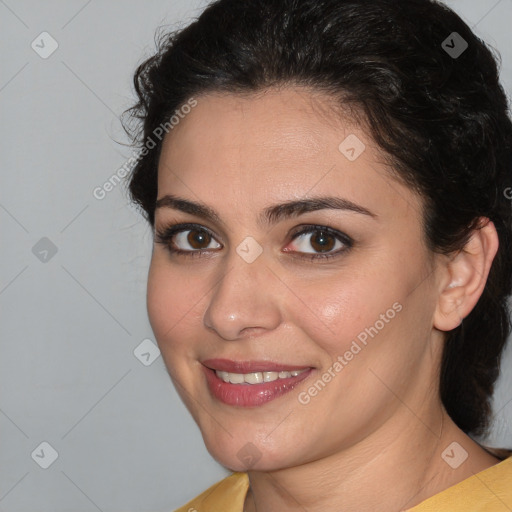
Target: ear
<point>465,277</point>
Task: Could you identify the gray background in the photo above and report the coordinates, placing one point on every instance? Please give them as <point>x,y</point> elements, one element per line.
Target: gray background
<point>70,321</point>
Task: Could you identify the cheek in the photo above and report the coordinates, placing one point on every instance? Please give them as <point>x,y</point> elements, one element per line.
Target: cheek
<point>334,311</point>
<point>377,320</point>
<point>172,302</point>
<point>160,301</point>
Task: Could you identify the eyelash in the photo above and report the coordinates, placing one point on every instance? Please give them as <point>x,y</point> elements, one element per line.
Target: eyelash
<point>164,236</point>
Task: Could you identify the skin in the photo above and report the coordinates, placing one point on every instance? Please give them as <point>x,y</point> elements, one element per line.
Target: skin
<point>373,437</point>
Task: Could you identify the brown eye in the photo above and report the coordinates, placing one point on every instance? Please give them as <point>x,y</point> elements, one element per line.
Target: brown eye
<point>191,240</point>
<point>322,241</point>
<point>199,239</point>
<point>187,240</point>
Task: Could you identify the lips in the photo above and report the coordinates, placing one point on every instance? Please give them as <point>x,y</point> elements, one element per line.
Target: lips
<point>236,391</point>
<point>227,365</point>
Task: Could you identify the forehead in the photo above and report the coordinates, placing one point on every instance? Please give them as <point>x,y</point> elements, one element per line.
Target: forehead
<point>291,119</point>
<point>274,146</point>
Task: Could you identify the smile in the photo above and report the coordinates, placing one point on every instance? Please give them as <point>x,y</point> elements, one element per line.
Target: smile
<point>256,377</point>
<point>251,383</point>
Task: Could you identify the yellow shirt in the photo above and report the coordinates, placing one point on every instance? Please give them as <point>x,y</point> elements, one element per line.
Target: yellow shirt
<point>487,491</point>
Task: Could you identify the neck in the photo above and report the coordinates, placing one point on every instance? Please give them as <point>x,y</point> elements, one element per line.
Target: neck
<point>394,468</point>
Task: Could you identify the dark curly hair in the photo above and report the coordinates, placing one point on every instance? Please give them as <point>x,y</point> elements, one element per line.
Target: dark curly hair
<point>441,118</point>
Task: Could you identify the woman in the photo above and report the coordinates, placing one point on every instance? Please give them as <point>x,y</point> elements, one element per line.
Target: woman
<point>327,183</point>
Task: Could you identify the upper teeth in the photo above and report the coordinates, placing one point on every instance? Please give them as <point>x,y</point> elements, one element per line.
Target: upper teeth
<point>256,377</point>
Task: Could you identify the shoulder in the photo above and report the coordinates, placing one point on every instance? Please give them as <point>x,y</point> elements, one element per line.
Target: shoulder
<point>228,495</point>
<point>487,491</point>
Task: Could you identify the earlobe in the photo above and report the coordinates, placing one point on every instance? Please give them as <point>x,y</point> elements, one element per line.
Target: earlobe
<point>466,276</point>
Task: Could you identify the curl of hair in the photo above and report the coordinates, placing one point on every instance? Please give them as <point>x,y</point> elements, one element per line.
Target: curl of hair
<point>442,121</point>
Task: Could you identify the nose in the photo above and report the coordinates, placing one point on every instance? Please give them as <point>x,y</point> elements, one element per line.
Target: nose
<point>246,300</point>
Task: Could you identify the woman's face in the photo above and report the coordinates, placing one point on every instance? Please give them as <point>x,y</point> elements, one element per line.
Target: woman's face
<point>302,253</point>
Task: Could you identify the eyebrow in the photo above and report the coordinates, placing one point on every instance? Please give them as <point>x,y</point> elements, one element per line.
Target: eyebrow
<point>270,215</point>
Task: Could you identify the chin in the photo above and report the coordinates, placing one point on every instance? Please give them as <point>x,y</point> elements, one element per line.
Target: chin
<point>239,453</point>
